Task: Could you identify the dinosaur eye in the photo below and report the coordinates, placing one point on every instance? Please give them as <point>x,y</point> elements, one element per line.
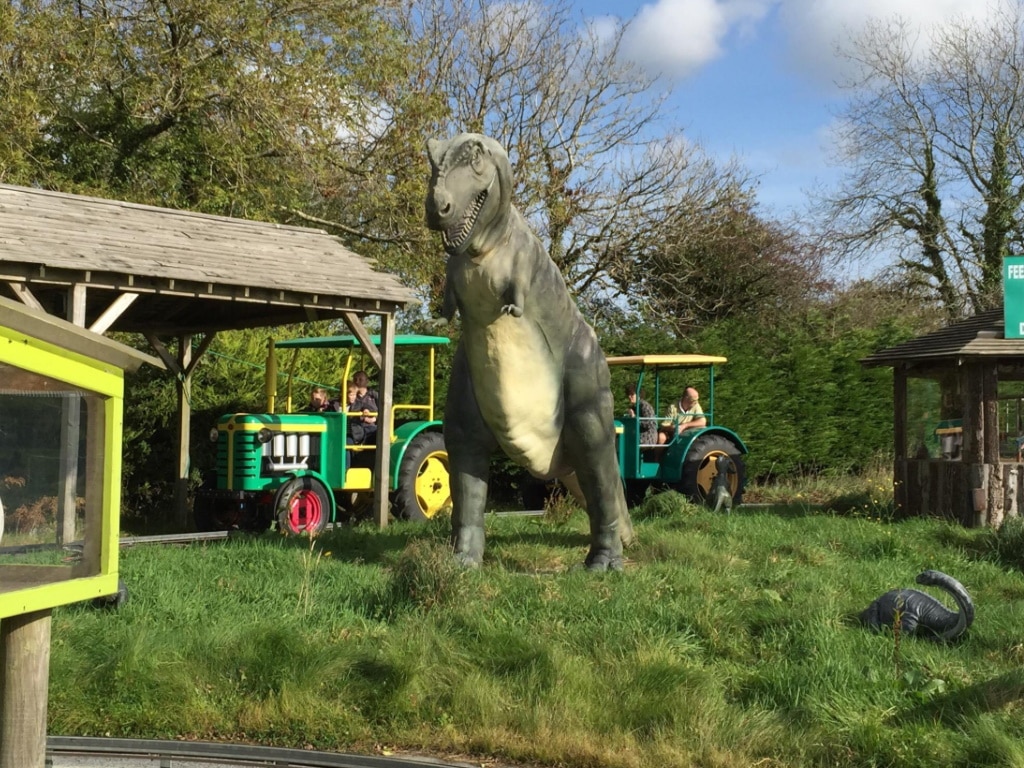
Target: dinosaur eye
<point>476,158</point>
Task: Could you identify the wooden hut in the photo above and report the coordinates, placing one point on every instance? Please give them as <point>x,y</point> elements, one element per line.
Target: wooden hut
<point>170,275</point>
<point>958,457</point>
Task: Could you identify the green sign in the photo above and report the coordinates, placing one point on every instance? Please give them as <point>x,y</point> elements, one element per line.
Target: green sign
<point>1013,296</point>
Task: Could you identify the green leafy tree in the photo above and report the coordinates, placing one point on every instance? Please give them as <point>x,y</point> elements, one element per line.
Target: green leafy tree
<point>233,108</point>
<point>798,395</point>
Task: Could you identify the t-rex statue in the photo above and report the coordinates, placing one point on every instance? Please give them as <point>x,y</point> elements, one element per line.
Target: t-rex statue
<point>920,613</point>
<point>528,374</point>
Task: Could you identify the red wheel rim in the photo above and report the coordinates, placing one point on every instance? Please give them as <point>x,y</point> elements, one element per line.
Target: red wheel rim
<point>305,512</point>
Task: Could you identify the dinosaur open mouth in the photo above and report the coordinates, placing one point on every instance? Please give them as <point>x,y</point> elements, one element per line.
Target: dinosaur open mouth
<point>456,235</point>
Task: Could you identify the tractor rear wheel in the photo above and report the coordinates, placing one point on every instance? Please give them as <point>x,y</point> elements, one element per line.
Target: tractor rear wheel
<point>424,488</point>
<point>303,505</point>
<point>699,468</point>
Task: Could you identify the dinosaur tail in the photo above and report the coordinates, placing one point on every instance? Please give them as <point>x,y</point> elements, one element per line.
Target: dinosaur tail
<point>963,600</point>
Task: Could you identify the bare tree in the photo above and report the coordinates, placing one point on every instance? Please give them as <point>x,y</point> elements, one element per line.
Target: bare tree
<point>597,170</point>
<point>934,134</point>
<point>725,260</point>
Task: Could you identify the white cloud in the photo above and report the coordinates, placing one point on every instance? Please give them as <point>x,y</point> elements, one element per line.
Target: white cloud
<point>677,37</point>
<point>814,28</point>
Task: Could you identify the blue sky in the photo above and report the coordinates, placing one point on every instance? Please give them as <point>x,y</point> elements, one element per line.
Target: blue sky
<point>756,79</point>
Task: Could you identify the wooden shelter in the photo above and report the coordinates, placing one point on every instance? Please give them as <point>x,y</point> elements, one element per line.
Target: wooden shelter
<point>173,275</point>
<point>959,457</point>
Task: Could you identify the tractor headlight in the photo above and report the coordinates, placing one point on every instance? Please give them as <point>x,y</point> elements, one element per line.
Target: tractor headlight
<point>264,435</point>
<point>214,434</point>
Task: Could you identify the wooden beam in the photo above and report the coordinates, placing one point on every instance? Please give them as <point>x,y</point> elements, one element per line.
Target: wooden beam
<point>359,330</point>
<point>24,682</point>
<point>169,360</point>
<point>50,276</point>
<point>25,296</point>
<point>197,354</point>
<point>385,421</point>
<point>111,313</point>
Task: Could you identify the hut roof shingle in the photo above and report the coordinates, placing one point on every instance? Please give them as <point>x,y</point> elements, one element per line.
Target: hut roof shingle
<point>192,271</point>
<point>980,336</point>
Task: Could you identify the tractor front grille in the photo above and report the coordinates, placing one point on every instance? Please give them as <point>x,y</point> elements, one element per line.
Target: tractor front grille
<point>290,451</point>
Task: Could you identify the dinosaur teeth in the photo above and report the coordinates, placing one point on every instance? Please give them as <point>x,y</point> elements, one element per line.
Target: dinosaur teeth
<point>454,237</point>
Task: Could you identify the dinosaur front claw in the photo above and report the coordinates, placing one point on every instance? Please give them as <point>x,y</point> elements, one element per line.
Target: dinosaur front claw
<point>512,309</point>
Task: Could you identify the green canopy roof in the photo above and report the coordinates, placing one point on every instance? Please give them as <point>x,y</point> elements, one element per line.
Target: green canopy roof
<point>345,342</point>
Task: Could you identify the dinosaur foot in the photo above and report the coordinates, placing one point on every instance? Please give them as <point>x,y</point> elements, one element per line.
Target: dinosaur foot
<point>468,544</point>
<point>467,560</point>
<point>603,560</point>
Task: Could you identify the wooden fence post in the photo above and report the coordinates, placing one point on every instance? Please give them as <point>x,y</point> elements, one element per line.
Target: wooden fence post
<point>24,679</point>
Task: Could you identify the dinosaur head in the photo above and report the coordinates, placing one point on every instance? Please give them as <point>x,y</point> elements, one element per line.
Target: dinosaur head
<point>470,192</point>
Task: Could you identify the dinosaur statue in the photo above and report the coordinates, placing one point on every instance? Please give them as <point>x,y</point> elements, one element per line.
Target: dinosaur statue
<point>920,613</point>
<point>720,496</point>
<point>528,376</point>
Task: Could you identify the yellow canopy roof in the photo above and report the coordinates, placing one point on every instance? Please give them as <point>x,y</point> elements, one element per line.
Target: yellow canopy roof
<point>681,360</point>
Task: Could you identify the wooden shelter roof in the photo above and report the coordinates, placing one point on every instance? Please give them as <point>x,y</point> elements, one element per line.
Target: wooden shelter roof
<point>175,272</point>
<point>978,338</point>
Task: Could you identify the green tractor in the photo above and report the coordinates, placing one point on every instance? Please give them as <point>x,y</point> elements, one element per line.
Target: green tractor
<point>688,461</point>
<point>300,471</point>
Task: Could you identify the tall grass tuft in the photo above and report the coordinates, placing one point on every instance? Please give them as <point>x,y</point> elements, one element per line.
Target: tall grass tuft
<point>1009,542</point>
<point>425,577</point>
<point>668,504</point>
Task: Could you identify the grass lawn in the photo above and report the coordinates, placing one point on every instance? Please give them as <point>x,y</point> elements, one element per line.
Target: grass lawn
<point>726,641</point>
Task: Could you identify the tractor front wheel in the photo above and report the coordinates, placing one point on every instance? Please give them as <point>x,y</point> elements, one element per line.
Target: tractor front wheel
<point>699,468</point>
<point>303,505</point>
<point>424,488</point>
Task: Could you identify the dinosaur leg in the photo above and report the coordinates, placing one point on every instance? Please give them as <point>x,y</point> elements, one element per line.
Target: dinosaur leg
<point>590,447</point>
<point>572,484</point>
<point>470,444</point>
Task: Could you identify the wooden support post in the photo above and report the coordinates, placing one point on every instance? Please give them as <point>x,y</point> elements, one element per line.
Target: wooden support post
<point>24,681</point>
<point>1010,491</point>
<point>974,508</point>
<point>181,367</point>
<point>184,382</point>
<point>972,451</point>
<point>899,435</point>
<point>385,421</point>
<point>70,431</point>
<point>990,413</point>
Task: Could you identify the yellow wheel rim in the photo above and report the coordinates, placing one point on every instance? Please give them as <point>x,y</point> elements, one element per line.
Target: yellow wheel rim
<point>707,471</point>
<point>433,488</point>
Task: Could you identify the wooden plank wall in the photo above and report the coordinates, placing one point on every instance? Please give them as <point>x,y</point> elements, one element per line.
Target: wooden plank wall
<point>971,494</point>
